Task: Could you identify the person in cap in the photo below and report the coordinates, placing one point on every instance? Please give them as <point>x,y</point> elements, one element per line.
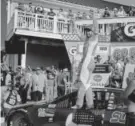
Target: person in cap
<point>51,74</point>
<point>38,84</point>
<point>87,64</point>
<point>62,80</point>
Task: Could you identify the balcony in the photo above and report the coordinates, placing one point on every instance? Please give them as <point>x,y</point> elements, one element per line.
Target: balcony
<point>32,24</point>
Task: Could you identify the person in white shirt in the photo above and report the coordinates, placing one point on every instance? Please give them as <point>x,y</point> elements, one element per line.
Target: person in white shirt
<point>121,12</point>
<point>61,15</point>
<point>87,64</point>
<point>38,84</point>
<point>8,78</point>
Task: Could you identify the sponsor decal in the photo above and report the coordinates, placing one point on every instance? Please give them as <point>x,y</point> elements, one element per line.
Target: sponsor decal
<point>130,30</point>
<point>97,78</point>
<point>42,112</point>
<point>118,117</point>
<point>73,50</point>
<point>51,105</point>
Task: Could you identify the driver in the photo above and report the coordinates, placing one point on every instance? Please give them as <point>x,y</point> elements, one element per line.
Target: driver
<point>87,65</point>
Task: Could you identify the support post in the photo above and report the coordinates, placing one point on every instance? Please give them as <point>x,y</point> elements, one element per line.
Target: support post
<point>23,57</point>
<point>55,25</point>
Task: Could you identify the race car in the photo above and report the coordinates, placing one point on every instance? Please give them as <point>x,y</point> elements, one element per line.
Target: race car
<point>60,112</point>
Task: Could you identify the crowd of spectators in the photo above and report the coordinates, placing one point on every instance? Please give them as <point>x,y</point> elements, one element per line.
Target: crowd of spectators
<point>117,69</point>
<point>64,14</point>
<point>64,17</point>
<point>34,84</point>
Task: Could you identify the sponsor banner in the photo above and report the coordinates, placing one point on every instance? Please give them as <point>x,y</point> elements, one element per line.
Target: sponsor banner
<point>103,51</point>
<point>123,33</point>
<point>99,80</point>
<point>72,49</point>
<point>122,52</point>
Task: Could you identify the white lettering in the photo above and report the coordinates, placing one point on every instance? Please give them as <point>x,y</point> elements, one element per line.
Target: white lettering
<point>130,30</point>
<point>118,117</point>
<point>73,50</point>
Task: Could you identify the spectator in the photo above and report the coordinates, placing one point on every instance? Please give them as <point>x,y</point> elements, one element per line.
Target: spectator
<point>8,79</point>
<point>115,12</point>
<point>32,85</point>
<point>38,84</point>
<point>51,84</point>
<point>70,15</point>
<point>24,86</point>
<point>18,75</point>
<point>98,13</point>
<point>116,78</point>
<point>61,15</point>
<point>84,16</point>
<point>2,79</point>
<point>51,14</point>
<point>106,12</point>
<point>131,11</point>
<point>21,7</point>
<point>45,13</point>
<point>121,12</point>
<point>62,81</point>
<point>91,13</point>
<point>30,8</point>
<point>78,16</point>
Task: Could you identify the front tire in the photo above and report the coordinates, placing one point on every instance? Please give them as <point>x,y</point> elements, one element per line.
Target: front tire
<point>19,119</point>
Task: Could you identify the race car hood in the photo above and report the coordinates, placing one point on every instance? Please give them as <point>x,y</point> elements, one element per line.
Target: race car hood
<point>28,104</point>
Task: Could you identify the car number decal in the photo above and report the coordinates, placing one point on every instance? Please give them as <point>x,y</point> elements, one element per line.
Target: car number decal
<point>42,112</point>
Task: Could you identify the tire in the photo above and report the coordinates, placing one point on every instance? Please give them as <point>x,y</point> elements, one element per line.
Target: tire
<point>19,119</point>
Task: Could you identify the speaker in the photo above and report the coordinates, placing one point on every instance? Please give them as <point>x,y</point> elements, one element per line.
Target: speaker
<point>15,47</point>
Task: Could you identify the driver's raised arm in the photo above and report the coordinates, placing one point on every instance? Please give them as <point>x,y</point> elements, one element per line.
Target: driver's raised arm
<point>79,33</point>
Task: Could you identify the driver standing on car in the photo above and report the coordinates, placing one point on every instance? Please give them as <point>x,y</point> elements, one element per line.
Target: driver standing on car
<point>87,64</point>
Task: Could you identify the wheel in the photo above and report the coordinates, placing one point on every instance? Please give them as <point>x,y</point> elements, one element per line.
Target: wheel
<point>19,119</point>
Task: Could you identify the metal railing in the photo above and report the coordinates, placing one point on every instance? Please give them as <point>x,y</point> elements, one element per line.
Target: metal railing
<point>39,22</point>
<point>42,23</point>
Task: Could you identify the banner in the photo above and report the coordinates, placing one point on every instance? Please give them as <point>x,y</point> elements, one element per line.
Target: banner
<point>122,52</point>
<point>123,33</point>
<point>103,51</point>
<point>74,51</point>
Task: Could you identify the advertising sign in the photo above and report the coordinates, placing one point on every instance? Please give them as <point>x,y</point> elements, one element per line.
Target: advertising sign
<point>75,56</point>
<point>122,52</point>
<point>100,76</point>
<point>99,80</point>
<point>123,33</point>
<point>103,51</point>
